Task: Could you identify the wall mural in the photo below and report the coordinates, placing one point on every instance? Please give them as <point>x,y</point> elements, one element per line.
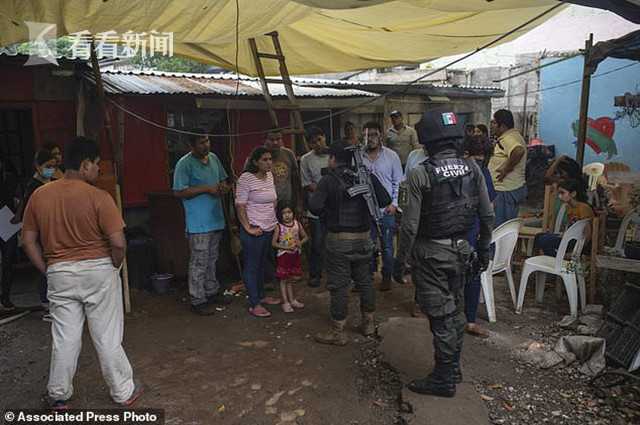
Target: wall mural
<point>599,135</point>
<point>613,135</point>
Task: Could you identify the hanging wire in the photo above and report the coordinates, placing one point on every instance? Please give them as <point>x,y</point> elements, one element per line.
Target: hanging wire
<point>232,146</point>
<point>141,118</point>
<point>402,90</point>
<point>537,68</point>
<point>569,83</point>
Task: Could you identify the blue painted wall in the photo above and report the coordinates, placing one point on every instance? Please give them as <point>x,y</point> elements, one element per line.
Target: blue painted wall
<point>559,107</point>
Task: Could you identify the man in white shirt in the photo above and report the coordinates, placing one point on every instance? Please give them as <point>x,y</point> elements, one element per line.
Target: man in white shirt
<point>311,165</point>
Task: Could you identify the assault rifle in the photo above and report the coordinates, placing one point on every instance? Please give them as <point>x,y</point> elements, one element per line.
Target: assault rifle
<point>364,186</point>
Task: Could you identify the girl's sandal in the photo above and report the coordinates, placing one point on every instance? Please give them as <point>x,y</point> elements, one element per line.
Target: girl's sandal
<point>259,311</point>
<point>286,307</point>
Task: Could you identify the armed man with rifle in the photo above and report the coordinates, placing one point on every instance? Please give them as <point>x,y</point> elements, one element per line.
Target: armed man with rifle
<point>341,201</point>
<point>385,164</point>
<point>446,193</point>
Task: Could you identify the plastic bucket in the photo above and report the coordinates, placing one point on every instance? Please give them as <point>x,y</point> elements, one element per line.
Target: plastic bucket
<point>161,283</point>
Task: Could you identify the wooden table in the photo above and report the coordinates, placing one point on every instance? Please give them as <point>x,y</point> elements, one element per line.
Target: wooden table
<point>618,263</point>
<point>527,235</point>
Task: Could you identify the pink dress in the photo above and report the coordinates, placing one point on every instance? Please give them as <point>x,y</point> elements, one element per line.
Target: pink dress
<point>289,263</point>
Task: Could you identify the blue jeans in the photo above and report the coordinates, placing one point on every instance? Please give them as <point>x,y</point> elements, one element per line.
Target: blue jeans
<point>507,204</point>
<point>255,250</point>
<point>548,243</point>
<point>388,228</point>
<point>316,260</point>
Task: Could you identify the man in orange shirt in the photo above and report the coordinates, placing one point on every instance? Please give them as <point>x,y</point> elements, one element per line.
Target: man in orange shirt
<point>73,232</point>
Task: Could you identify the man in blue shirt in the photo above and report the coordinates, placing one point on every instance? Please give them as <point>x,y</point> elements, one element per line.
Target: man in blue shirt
<point>385,164</point>
<point>199,180</point>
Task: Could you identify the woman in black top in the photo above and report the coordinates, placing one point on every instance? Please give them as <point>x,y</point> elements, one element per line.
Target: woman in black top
<point>45,165</point>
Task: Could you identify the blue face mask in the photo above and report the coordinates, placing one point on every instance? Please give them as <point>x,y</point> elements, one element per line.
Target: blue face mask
<point>47,173</point>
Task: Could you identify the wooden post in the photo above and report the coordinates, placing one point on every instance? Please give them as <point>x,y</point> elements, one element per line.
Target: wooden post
<point>81,107</point>
<point>263,82</point>
<point>117,156</point>
<point>547,209</point>
<point>593,273</point>
<point>125,269</point>
<point>525,116</point>
<point>584,102</point>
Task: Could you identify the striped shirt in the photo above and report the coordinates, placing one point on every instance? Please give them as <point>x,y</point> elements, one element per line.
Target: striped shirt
<point>260,198</point>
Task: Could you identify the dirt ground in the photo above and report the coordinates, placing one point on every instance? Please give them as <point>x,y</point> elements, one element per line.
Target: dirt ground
<point>235,369</point>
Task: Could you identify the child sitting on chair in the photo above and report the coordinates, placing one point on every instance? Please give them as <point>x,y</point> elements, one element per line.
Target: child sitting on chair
<point>571,193</point>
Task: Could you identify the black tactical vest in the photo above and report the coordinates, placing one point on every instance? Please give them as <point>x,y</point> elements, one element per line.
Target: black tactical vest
<point>351,212</point>
<point>450,205</point>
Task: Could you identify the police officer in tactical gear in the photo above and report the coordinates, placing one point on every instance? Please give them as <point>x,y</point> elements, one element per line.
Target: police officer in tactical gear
<point>445,195</point>
<point>348,244</point>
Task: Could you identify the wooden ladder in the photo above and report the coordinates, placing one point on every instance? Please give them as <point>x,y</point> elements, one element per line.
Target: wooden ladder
<point>295,115</point>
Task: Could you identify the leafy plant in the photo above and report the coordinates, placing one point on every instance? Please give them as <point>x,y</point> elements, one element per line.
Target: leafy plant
<point>169,63</point>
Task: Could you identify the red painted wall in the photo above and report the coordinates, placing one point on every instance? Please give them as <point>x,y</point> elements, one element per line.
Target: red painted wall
<point>56,122</point>
<point>145,152</point>
<point>53,121</point>
<point>18,83</point>
<point>248,122</point>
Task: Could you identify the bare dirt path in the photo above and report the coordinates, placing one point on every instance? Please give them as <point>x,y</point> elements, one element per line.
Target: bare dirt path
<point>235,369</point>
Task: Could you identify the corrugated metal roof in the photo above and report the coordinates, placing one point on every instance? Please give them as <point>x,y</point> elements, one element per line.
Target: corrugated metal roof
<point>464,86</point>
<point>369,83</point>
<point>158,82</point>
<point>303,87</point>
<point>129,83</point>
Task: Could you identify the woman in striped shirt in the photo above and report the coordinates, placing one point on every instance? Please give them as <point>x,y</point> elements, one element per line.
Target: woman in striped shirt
<point>256,202</point>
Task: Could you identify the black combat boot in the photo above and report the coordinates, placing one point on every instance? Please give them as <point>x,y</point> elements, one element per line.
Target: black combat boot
<point>439,383</point>
<point>335,335</point>
<point>457,375</point>
<point>368,324</point>
<point>385,285</point>
<point>457,371</point>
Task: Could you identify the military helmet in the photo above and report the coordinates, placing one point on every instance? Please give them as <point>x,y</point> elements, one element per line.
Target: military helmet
<point>439,127</point>
<point>342,152</point>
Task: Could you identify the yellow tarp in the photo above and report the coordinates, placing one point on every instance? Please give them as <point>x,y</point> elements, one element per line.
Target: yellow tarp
<point>317,36</point>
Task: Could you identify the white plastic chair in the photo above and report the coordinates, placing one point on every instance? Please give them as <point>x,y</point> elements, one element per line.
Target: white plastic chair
<point>505,238</point>
<point>594,171</point>
<point>562,212</point>
<point>632,217</point>
<point>544,264</point>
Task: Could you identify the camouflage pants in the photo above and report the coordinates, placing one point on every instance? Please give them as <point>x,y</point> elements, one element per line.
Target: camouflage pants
<point>203,256</point>
<point>439,274</point>
<point>346,261</point>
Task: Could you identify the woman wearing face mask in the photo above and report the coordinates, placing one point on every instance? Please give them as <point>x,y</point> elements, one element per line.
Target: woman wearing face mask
<point>56,153</point>
<point>45,165</point>
<point>478,148</point>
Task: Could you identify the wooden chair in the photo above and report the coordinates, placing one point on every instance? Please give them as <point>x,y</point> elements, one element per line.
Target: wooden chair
<point>614,260</point>
<point>528,233</point>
